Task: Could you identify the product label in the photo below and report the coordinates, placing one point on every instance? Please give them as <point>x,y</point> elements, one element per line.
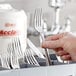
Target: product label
<point>8,29</point>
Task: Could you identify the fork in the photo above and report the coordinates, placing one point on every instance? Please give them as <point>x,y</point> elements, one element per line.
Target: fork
<point>34,48</point>
<point>15,52</point>
<point>39,28</point>
<point>41,22</point>
<point>30,57</point>
<point>4,59</point>
<point>18,47</point>
<point>5,62</point>
<point>14,55</point>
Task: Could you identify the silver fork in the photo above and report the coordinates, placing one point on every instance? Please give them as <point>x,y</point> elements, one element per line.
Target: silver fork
<point>38,27</point>
<point>18,48</point>
<point>14,54</point>
<point>30,57</point>
<point>4,57</point>
<point>35,49</point>
<point>39,20</point>
<point>5,62</point>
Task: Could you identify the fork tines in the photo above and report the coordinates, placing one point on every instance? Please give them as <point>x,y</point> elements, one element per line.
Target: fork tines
<point>38,16</point>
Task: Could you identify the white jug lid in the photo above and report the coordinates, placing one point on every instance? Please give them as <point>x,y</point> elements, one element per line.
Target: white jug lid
<point>5,6</point>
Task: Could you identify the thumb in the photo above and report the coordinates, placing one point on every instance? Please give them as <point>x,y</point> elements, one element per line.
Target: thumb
<point>52,44</point>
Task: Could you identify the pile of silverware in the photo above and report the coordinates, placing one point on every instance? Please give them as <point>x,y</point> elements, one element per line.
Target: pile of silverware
<point>16,58</point>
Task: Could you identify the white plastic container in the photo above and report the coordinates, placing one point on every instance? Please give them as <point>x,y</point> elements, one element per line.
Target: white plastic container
<point>13,24</point>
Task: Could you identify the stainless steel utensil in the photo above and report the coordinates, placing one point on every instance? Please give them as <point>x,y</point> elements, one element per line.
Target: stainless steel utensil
<point>15,53</point>
<point>30,57</point>
<point>34,49</point>
<point>39,28</point>
<point>4,62</point>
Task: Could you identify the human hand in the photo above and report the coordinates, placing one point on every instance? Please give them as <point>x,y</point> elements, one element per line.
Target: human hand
<point>64,45</point>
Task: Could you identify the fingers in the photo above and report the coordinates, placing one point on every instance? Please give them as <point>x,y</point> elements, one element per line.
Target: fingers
<point>55,41</point>
<point>61,53</point>
<point>58,49</point>
<point>66,57</point>
<point>52,44</point>
<point>55,37</point>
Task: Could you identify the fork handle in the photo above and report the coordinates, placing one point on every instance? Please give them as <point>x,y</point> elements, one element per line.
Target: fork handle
<point>48,61</point>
